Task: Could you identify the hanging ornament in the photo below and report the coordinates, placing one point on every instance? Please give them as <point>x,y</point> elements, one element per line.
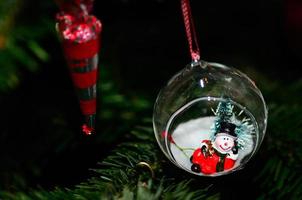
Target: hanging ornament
<point>79,32</point>
<point>209,119</point>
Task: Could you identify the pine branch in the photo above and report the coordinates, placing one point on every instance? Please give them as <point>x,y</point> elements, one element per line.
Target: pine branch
<point>120,177</point>
<point>281,175</point>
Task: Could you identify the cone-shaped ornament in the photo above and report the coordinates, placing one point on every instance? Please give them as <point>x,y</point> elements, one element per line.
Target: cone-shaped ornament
<point>80,35</point>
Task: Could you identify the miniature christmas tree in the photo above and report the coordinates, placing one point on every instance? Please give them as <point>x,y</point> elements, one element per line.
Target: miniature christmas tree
<point>223,113</point>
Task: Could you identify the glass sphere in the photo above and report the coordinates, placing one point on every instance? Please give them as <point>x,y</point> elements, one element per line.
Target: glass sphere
<point>209,119</point>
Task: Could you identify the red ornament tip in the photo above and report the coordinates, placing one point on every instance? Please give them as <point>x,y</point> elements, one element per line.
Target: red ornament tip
<point>87,130</point>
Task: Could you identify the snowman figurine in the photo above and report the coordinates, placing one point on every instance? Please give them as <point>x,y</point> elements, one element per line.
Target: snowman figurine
<point>218,155</point>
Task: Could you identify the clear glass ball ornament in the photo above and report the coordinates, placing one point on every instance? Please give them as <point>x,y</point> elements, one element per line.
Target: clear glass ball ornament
<point>210,119</point>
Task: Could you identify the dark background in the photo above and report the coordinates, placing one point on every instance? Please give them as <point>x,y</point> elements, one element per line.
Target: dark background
<point>143,45</point>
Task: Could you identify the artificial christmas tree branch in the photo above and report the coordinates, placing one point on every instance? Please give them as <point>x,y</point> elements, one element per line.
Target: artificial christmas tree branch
<point>119,177</point>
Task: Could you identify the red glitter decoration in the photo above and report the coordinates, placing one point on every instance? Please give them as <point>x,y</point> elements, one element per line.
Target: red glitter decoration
<point>78,29</point>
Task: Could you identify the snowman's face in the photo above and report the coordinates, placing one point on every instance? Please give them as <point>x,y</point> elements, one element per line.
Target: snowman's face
<point>224,142</point>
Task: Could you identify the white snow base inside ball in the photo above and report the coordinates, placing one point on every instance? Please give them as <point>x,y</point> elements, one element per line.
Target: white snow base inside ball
<point>189,136</point>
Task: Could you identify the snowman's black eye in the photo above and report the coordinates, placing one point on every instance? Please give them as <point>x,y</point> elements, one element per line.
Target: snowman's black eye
<point>227,138</point>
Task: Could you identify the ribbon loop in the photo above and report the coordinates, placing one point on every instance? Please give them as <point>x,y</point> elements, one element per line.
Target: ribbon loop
<point>190,30</point>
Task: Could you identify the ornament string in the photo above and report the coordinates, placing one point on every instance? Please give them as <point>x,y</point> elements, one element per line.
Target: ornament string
<point>190,30</point>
